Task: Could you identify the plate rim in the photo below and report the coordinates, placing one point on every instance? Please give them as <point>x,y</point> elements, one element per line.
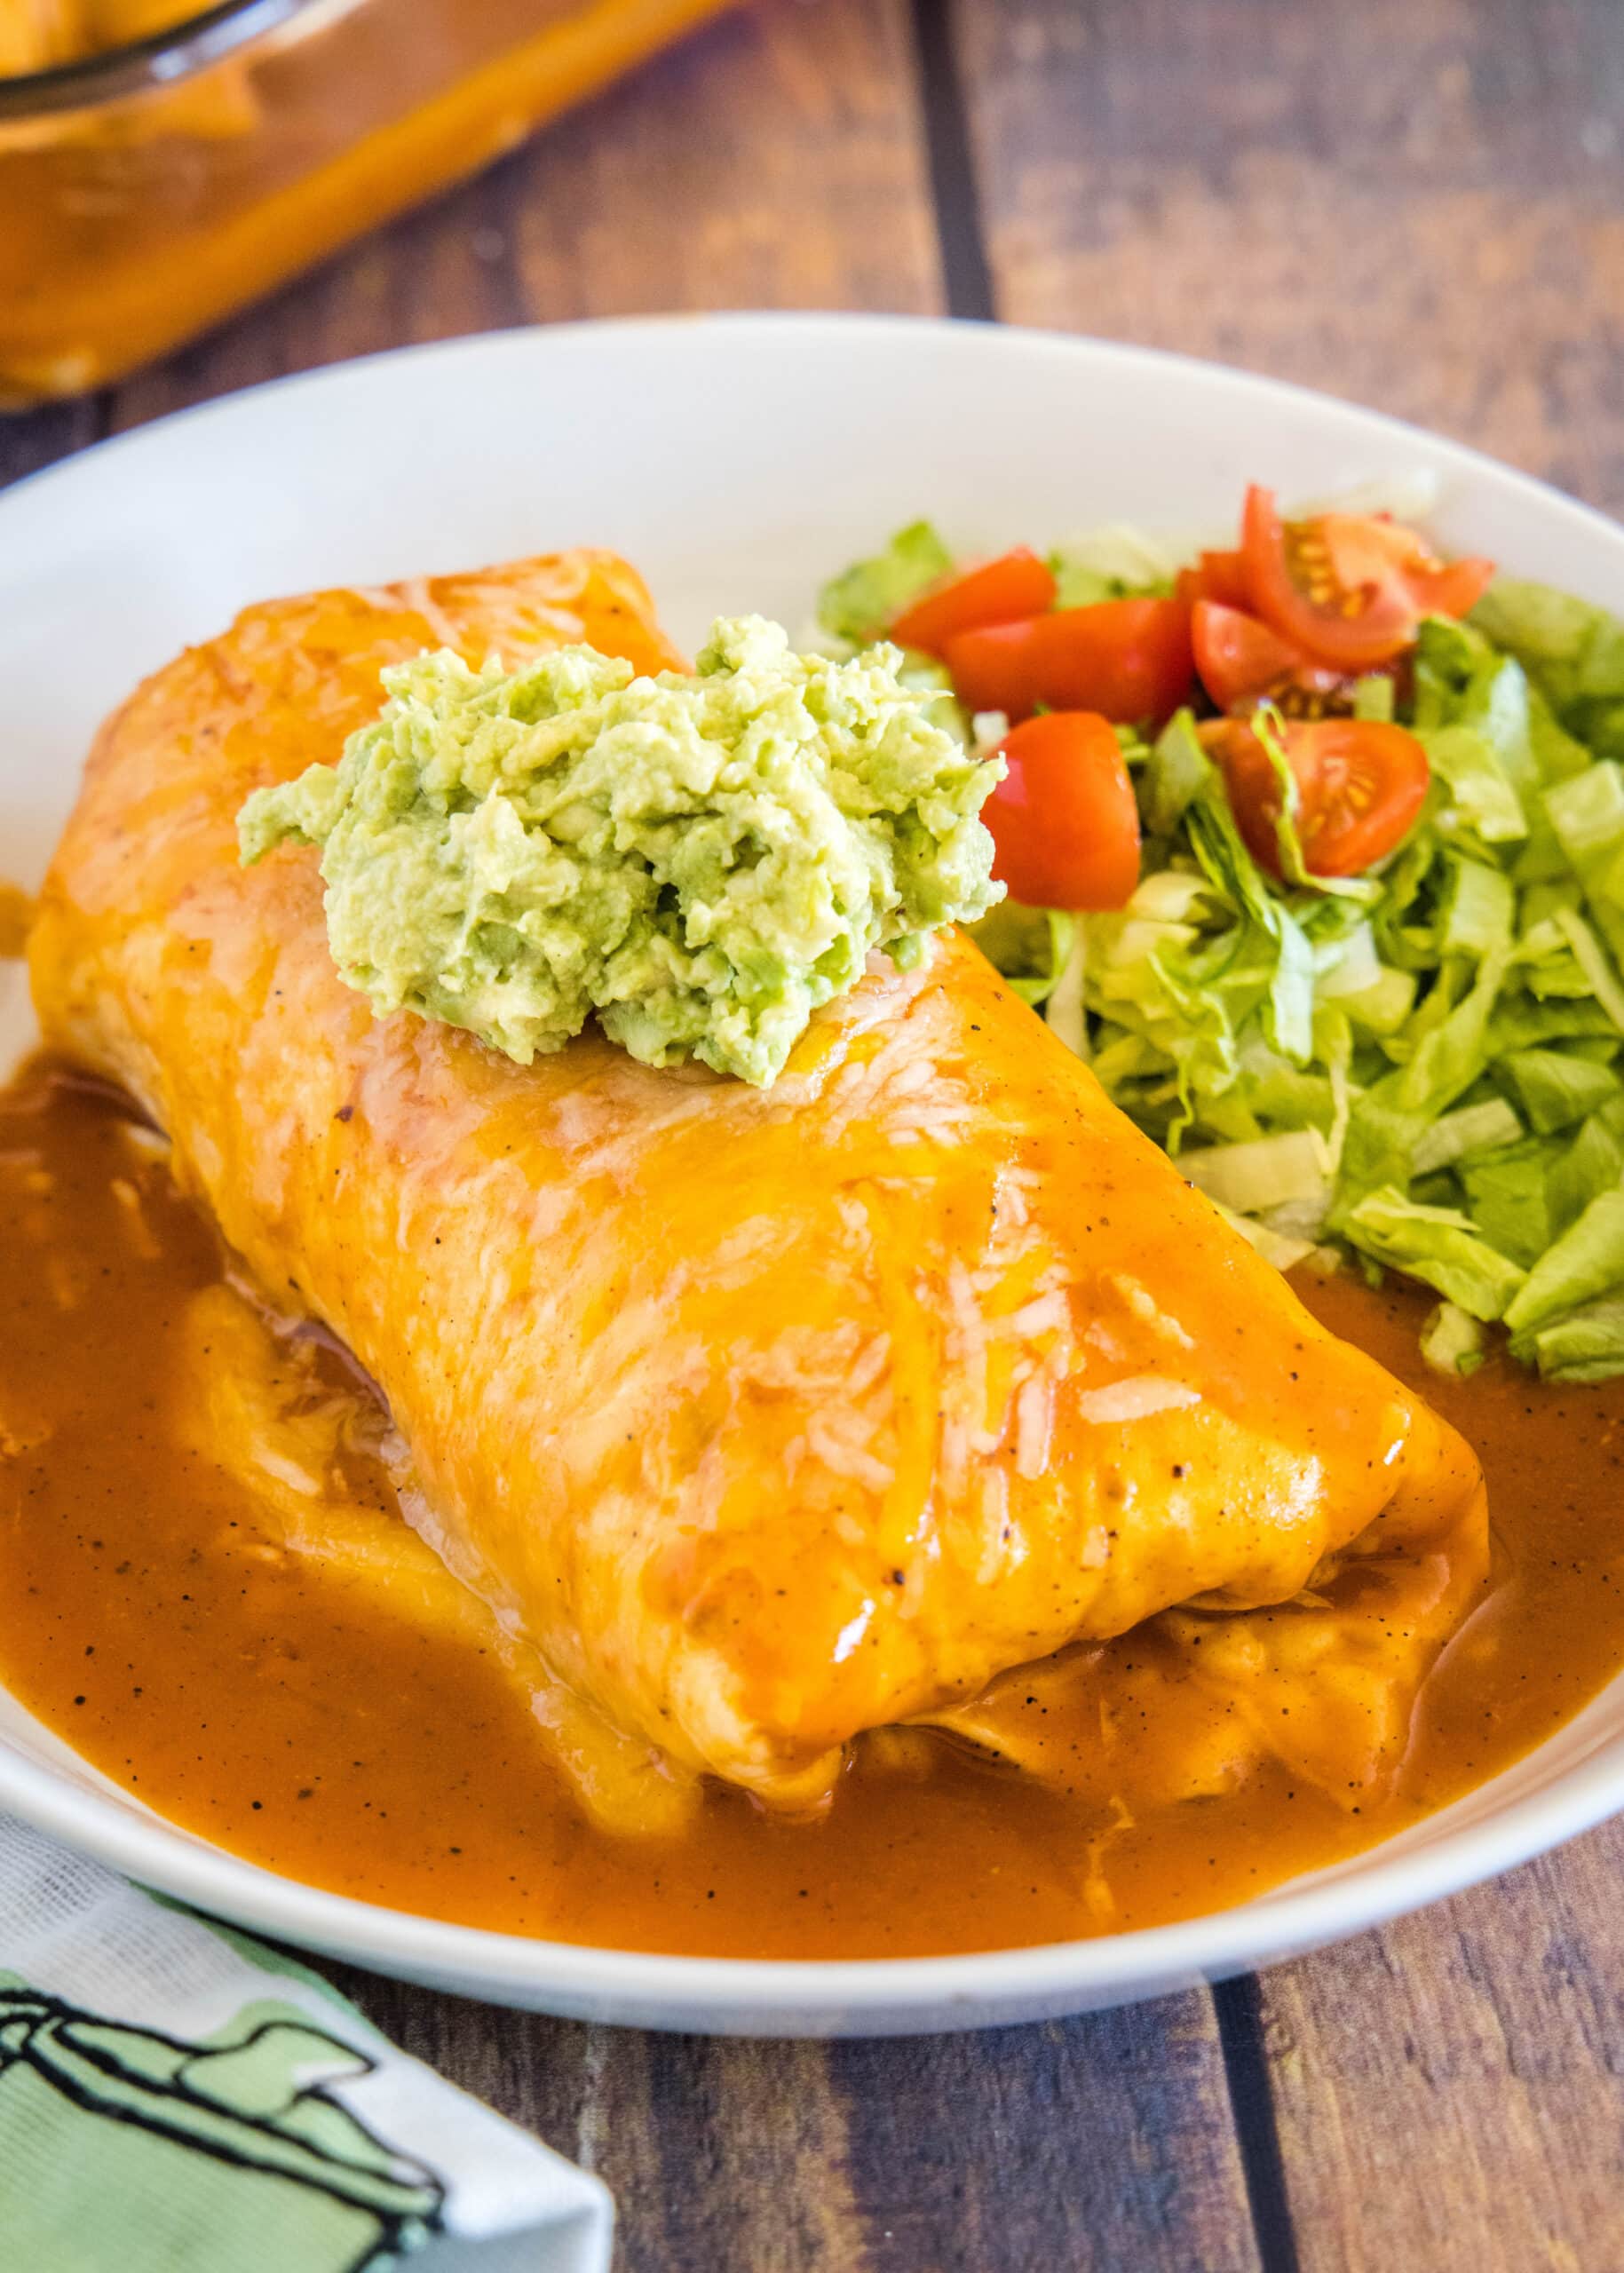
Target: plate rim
<point>989,335</point>
<point>811,1995</point>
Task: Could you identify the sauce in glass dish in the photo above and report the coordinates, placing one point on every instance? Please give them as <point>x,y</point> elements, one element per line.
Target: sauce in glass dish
<point>213,1596</point>
<point>146,192</point>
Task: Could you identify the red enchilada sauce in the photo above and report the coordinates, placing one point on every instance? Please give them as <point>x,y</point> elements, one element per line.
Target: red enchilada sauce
<point>303,1716</point>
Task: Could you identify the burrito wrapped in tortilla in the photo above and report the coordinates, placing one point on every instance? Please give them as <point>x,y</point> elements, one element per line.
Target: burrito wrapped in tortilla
<point>770,1414</point>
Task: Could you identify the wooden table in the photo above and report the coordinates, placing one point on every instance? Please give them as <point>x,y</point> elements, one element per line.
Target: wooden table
<point>1419,203</point>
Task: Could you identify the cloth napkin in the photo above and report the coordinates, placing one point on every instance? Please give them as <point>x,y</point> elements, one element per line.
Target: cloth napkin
<point>176,2098</point>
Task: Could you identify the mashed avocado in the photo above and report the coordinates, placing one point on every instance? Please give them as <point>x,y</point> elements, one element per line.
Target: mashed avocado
<point>702,862</point>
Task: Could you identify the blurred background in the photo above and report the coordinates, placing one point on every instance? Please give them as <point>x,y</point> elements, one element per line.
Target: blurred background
<point>1414,202</point>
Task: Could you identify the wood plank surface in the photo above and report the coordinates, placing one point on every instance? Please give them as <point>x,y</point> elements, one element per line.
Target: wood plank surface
<point>1417,203</point>
<point>1449,2092</point>
<point>29,444</point>
<point>1095,2145</point>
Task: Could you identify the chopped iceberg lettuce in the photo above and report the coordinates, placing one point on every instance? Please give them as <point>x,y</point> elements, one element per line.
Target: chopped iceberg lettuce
<point>1424,1064</point>
<point>860,603</point>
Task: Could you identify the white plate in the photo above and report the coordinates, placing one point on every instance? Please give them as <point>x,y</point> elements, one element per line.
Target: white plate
<point>736,460</point>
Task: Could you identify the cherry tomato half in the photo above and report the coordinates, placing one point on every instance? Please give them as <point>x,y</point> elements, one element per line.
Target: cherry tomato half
<point>1296,586</point>
<point>1373,548</point>
<point>1241,660</point>
<point>1218,576</point>
<point>994,591</point>
<point>1453,588</point>
<point>1129,660</point>
<point>1360,787</point>
<point>1349,587</point>
<point>1064,819</point>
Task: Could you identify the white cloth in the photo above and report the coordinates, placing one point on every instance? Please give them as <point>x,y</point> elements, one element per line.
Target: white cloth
<point>174,2096</point>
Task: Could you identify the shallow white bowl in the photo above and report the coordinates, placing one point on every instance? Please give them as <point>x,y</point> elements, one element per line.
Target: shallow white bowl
<point>737,460</point>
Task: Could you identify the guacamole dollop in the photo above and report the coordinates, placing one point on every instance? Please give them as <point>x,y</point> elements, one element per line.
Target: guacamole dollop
<point>700,861</point>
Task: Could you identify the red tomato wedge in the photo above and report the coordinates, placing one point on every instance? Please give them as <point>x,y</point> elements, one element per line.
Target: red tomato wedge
<point>1452,587</point>
<point>1131,659</point>
<point>1360,787</point>
<point>1064,820</point>
<point>1218,576</point>
<point>1240,660</point>
<point>1371,550</point>
<point>1295,584</point>
<point>1348,588</point>
<point>994,591</point>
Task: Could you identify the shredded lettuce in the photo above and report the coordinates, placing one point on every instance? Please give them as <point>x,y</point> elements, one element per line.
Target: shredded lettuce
<point>1262,1172</point>
<point>1585,1344</point>
<point>1506,1195</point>
<point>1031,946</point>
<point>1587,1260</point>
<point>1572,650</point>
<point>1424,1066</point>
<point>1582,1171</point>
<point>1450,1037</point>
<point>1112,564</point>
<point>1453,1340</point>
<point>1556,1089</point>
<point>1440,1246</point>
<point>1284,1249</point>
<point>858,604</point>
<point>1483,1127</point>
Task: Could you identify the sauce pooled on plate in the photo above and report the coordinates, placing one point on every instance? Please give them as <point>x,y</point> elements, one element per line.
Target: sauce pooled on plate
<point>210,1596</point>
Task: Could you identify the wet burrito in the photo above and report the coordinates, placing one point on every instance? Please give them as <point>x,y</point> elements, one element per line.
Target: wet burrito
<point>770,1414</point>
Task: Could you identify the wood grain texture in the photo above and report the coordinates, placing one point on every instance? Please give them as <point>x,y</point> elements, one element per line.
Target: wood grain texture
<point>1095,2145</point>
<point>1450,2092</point>
<point>1414,202</point>
<point>1417,203</point>
<point>29,444</point>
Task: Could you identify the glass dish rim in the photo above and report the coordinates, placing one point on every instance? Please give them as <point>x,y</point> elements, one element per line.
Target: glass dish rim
<point>149,65</point>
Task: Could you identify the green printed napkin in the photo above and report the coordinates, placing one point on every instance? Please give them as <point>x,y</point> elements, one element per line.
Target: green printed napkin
<point>175,2098</point>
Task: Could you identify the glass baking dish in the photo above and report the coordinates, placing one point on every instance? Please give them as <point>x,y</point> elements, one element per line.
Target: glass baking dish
<point>149,190</point>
